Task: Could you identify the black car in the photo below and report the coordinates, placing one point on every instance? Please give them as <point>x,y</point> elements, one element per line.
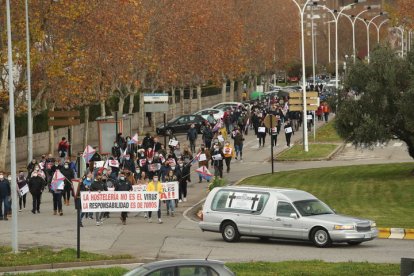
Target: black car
<point>181,124</point>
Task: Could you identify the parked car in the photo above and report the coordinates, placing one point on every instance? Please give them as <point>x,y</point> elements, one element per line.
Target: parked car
<point>180,124</point>
<point>280,213</point>
<point>217,113</point>
<point>225,105</point>
<point>182,268</point>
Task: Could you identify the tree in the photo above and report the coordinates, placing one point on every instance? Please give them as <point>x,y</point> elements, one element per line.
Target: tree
<point>383,106</point>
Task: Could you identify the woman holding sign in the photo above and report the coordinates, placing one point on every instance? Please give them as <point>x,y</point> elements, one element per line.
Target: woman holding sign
<point>288,131</point>
<point>228,154</point>
<point>261,134</point>
<point>22,185</point>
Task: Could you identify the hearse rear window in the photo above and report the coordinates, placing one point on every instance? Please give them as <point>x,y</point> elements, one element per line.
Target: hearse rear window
<point>244,201</point>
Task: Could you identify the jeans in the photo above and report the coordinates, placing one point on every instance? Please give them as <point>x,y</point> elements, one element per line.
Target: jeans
<point>66,192</point>
<point>3,200</point>
<point>170,205</point>
<point>36,201</point>
<point>239,150</point>
<point>57,201</point>
<point>274,140</point>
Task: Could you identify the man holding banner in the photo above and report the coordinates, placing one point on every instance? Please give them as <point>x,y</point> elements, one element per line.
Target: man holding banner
<point>123,185</point>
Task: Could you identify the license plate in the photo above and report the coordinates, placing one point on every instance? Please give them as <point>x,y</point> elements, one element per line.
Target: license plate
<point>367,236</point>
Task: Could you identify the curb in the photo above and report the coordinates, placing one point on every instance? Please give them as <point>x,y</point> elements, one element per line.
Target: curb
<point>69,265</point>
<point>396,233</point>
<point>329,157</point>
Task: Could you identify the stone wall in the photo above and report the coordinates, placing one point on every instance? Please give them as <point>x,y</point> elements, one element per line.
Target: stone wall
<point>41,140</point>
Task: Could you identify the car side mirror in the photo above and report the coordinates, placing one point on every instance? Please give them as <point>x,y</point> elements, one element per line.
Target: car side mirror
<point>293,215</point>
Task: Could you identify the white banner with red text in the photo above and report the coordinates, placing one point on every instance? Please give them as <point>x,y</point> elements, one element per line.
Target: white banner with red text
<point>170,190</point>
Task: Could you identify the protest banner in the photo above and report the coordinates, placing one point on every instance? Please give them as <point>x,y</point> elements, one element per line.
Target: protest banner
<point>117,201</point>
<point>170,190</point>
<point>24,190</point>
<point>139,188</point>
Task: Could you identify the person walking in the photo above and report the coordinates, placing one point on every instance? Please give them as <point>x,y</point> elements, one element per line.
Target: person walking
<point>125,186</point>
<point>326,111</point>
<point>36,186</point>
<point>238,143</point>
<point>288,131</point>
<point>98,186</point>
<point>171,177</point>
<point>192,137</point>
<point>5,193</point>
<point>217,157</point>
<point>261,134</point>
<point>155,186</point>
<point>69,175</point>
<point>183,175</point>
<point>203,156</point>
<point>228,154</point>
<point>21,182</point>
<point>63,149</point>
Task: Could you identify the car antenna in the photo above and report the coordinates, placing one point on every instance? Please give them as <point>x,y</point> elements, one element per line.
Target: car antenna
<point>209,253</point>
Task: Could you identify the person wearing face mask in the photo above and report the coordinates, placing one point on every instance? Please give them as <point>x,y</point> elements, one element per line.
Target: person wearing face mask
<point>217,157</point>
<point>155,186</point>
<point>84,186</point>
<point>21,182</point>
<point>69,175</point>
<point>30,167</point>
<point>5,193</point>
<point>183,174</point>
<point>123,185</point>
<point>36,186</point>
<point>228,154</point>
<point>137,174</point>
<point>116,151</point>
<point>203,156</point>
<point>98,186</point>
<point>171,177</point>
<point>128,164</point>
<point>192,137</point>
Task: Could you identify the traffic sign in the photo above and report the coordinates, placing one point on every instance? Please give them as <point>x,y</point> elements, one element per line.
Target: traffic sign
<point>270,121</point>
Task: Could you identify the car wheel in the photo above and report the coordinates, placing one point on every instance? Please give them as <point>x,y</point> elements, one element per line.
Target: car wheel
<point>229,232</point>
<point>320,237</point>
<point>354,243</point>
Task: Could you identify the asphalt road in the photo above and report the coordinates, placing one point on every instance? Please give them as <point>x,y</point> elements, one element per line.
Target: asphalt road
<point>180,236</point>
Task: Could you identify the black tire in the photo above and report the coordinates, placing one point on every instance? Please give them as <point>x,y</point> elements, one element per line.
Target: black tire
<point>354,243</point>
<point>320,237</point>
<point>229,232</point>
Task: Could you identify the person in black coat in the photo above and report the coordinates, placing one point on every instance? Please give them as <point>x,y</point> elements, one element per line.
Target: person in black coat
<point>183,175</point>
<point>217,157</point>
<point>123,185</point>
<point>98,186</point>
<point>21,182</point>
<point>69,175</point>
<point>288,131</point>
<point>5,193</point>
<point>261,134</point>
<point>36,187</point>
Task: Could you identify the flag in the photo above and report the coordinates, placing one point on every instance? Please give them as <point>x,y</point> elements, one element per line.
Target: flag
<point>203,172</point>
<point>195,159</point>
<point>134,140</point>
<point>218,126</point>
<point>58,181</point>
<point>88,153</point>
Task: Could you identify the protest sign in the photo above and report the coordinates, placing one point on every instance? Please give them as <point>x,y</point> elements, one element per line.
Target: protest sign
<point>117,201</point>
<point>24,190</point>
<point>173,143</point>
<point>170,190</point>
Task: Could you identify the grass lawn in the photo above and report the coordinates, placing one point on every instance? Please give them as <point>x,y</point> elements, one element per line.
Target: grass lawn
<point>326,134</point>
<point>290,268</point>
<point>316,151</point>
<point>113,271</point>
<point>45,255</point>
<point>384,193</point>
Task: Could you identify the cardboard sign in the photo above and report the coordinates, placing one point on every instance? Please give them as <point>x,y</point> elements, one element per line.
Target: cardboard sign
<point>170,191</point>
<point>227,150</point>
<point>288,130</point>
<point>99,164</point>
<point>24,190</point>
<point>261,129</point>
<point>113,163</point>
<point>173,143</point>
<point>112,201</point>
<point>202,157</point>
<point>217,157</point>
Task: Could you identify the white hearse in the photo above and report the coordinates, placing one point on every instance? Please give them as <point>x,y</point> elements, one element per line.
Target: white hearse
<point>264,212</point>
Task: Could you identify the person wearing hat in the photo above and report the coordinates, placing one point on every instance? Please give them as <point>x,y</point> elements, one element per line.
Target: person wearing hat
<point>123,185</point>
<point>155,186</point>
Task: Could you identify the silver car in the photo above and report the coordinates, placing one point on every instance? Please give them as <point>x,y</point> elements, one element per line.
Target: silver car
<point>280,213</point>
<point>192,267</point>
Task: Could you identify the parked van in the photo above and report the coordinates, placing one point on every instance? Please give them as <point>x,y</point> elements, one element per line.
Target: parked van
<point>280,213</point>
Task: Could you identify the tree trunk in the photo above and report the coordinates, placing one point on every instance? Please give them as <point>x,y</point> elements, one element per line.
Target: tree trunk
<point>199,104</point>
<point>131,104</point>
<point>190,100</point>
<point>103,109</point>
<point>4,139</point>
<point>232,90</point>
<point>239,89</point>
<point>121,104</point>
<point>182,100</point>
<point>86,129</point>
<point>250,86</point>
<point>223,91</point>
<point>173,102</point>
<point>141,113</point>
<point>254,83</point>
<point>51,135</point>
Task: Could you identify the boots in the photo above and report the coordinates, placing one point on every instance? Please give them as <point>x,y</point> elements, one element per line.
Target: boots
<point>60,213</point>
<point>54,212</point>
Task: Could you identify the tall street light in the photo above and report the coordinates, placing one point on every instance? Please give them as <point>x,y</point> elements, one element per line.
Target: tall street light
<point>304,124</point>
<point>29,91</point>
<point>353,19</point>
<point>379,28</point>
<point>12,131</point>
<point>336,16</point>
<point>368,25</point>
<point>402,39</point>
<point>329,39</point>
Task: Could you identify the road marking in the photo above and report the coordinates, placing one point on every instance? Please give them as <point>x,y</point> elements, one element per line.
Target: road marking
<point>397,144</point>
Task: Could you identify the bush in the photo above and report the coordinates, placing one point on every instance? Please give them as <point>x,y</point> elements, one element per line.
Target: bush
<point>217,182</point>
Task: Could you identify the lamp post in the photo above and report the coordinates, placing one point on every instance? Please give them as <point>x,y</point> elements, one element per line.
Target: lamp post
<point>379,28</point>
<point>353,19</point>
<point>305,126</point>
<point>313,50</point>
<point>329,39</point>
<point>402,39</point>
<point>29,91</point>
<point>12,131</point>
<point>368,25</point>
<point>335,14</point>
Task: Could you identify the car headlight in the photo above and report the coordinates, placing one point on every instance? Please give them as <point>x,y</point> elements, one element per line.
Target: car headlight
<point>373,224</point>
<point>344,227</point>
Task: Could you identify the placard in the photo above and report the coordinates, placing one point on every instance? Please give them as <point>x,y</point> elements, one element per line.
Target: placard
<point>173,142</point>
<point>111,201</point>
<point>309,117</point>
<point>217,157</point>
<point>220,138</point>
<point>227,150</point>
<point>113,163</point>
<point>24,190</point>
<point>261,129</point>
<point>99,164</point>
<point>202,157</point>
<point>288,130</point>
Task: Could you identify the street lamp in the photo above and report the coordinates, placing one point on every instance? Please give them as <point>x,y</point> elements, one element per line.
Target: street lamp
<point>329,39</point>
<point>402,39</point>
<point>353,19</point>
<point>379,28</point>
<point>29,91</point>
<point>336,16</point>
<point>305,126</point>
<point>369,23</point>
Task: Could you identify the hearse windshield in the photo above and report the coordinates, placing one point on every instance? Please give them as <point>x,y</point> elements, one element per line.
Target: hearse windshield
<point>312,207</point>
